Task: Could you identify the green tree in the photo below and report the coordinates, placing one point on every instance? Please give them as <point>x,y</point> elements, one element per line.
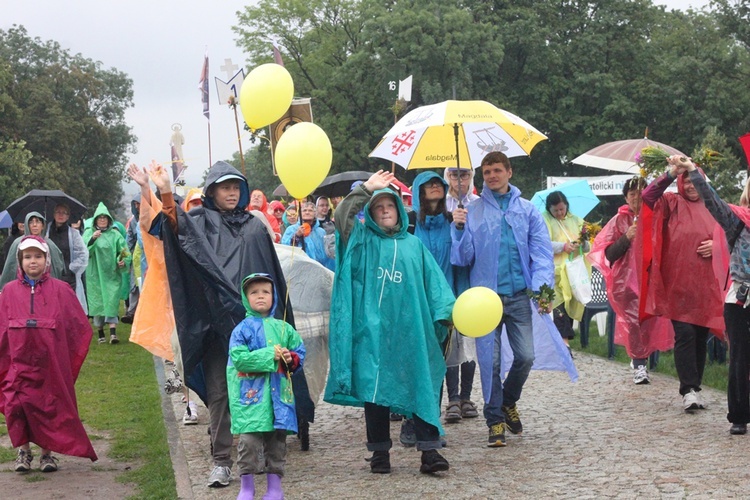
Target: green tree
<point>726,174</point>
<point>68,114</point>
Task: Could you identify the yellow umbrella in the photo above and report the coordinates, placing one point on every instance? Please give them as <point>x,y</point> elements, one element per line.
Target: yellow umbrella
<point>438,135</point>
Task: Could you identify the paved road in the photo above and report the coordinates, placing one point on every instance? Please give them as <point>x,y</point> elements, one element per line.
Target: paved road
<point>602,437</point>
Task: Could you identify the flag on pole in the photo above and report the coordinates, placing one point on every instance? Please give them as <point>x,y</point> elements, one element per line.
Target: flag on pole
<point>745,141</point>
<point>203,86</point>
<point>277,56</point>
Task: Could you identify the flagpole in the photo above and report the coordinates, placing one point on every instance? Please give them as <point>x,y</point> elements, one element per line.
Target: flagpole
<point>210,161</point>
<point>239,141</point>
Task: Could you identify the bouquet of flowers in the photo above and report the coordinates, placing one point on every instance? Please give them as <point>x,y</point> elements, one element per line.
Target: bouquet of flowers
<point>544,297</point>
<point>651,161</point>
<point>589,232</point>
<point>707,157</point>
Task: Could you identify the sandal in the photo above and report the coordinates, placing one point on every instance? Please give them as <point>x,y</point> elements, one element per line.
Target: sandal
<point>452,413</point>
<point>468,409</point>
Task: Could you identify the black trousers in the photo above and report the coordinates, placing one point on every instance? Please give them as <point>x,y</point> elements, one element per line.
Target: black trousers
<point>737,319</point>
<point>689,354</point>
<point>378,422</point>
<point>467,369</point>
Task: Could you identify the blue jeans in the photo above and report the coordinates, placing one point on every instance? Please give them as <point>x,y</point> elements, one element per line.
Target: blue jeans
<point>517,321</point>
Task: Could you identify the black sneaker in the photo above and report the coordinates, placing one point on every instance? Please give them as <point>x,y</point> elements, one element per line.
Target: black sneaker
<point>432,461</point>
<point>497,435</point>
<point>512,419</point>
<point>380,462</point>
<point>408,436</point>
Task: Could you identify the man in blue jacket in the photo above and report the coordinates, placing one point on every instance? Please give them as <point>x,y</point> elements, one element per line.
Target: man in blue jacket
<point>505,241</point>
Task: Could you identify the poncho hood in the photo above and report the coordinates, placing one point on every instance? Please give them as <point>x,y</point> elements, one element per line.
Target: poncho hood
<point>421,179</point>
<point>398,231</point>
<point>101,209</point>
<point>219,170</point>
<point>246,304</point>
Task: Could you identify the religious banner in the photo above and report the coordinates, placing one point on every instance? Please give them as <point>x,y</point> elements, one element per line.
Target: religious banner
<point>299,111</point>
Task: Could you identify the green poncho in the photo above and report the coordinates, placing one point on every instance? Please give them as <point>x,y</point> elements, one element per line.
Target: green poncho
<point>388,297</point>
<point>103,276</point>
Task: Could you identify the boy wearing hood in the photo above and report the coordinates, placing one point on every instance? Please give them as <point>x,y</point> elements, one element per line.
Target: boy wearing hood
<point>389,295</point>
<point>263,352</point>
<point>209,251</point>
<point>44,339</point>
<point>108,262</point>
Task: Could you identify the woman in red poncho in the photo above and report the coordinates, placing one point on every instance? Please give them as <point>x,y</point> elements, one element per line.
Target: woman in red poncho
<point>615,253</point>
<point>44,338</point>
<point>684,239</point>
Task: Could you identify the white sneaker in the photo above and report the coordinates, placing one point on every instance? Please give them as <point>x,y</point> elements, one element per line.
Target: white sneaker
<point>702,405</point>
<point>690,401</point>
<point>191,414</point>
<point>219,477</point>
<point>640,376</point>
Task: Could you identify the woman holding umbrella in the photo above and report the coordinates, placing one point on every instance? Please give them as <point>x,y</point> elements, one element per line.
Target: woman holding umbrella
<point>565,232</point>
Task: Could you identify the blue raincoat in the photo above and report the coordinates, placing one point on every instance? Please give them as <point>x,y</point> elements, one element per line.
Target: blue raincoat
<point>260,396</point>
<point>313,243</point>
<point>388,296</point>
<point>477,246</point>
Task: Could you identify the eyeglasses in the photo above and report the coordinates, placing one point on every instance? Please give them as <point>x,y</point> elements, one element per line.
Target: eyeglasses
<point>464,175</point>
<point>434,183</point>
<point>279,210</point>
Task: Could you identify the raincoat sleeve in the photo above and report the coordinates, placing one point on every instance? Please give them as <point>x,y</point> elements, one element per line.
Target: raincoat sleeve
<point>246,360</point>
<point>78,330</point>
<point>656,189</point>
<point>346,213</point>
<point>11,265</point>
<point>440,294</point>
<point>718,208</point>
<point>79,255</point>
<point>542,266</point>
<point>289,236</point>
<point>462,245</point>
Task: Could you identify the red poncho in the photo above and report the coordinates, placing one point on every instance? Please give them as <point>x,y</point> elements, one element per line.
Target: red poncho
<point>42,347</point>
<point>682,285</point>
<point>639,338</point>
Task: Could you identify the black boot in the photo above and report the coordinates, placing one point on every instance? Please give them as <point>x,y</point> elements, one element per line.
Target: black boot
<point>380,463</point>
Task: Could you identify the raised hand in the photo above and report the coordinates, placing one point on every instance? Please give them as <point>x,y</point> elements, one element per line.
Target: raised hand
<point>160,176</point>
<point>379,180</point>
<point>138,174</point>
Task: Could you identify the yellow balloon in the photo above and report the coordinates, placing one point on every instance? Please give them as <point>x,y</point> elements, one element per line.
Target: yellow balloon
<point>477,311</point>
<point>265,95</point>
<point>303,158</point>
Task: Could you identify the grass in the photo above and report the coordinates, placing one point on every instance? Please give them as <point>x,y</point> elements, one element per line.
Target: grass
<point>118,397</point>
<point>715,374</point>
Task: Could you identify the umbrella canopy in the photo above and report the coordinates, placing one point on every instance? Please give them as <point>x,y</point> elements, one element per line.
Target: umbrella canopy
<point>455,133</point>
<point>620,155</point>
<point>280,191</point>
<point>340,184</point>
<point>6,220</point>
<point>581,200</point>
<point>44,202</point>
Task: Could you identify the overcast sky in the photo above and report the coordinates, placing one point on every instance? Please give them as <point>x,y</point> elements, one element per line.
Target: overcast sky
<point>160,45</point>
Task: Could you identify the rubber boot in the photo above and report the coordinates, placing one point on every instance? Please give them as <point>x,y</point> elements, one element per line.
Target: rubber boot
<point>247,487</point>
<point>274,491</point>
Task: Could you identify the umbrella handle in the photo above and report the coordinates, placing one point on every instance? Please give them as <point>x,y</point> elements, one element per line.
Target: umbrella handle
<point>460,226</point>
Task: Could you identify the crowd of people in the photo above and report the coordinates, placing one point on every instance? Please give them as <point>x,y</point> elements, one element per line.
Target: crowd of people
<point>214,301</point>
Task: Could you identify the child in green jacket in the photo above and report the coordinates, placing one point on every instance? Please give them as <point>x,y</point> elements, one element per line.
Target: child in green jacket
<point>263,352</point>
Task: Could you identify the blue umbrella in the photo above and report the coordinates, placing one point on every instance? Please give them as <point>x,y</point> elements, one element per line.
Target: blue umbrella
<point>5,220</point>
<point>580,197</point>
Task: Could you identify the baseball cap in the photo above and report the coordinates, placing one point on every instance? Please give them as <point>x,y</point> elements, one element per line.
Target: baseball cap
<point>33,243</point>
<point>255,277</point>
<point>228,177</point>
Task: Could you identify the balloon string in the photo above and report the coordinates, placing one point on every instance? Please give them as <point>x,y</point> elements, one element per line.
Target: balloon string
<point>286,303</point>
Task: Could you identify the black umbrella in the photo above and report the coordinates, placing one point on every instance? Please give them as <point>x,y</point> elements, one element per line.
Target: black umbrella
<point>340,184</point>
<point>44,202</point>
